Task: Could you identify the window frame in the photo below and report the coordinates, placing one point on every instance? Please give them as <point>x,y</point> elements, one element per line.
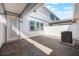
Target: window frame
<point>31,26</point>
<point>37,26</point>
<point>42,26</point>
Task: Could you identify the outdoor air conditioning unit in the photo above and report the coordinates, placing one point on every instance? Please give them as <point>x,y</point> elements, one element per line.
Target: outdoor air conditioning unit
<point>66,36</point>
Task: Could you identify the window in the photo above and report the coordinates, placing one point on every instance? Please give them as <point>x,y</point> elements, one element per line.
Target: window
<point>41,26</point>
<point>37,26</point>
<point>52,16</point>
<point>57,18</point>
<point>32,25</point>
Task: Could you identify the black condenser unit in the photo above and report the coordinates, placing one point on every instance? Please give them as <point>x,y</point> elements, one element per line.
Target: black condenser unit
<point>66,36</point>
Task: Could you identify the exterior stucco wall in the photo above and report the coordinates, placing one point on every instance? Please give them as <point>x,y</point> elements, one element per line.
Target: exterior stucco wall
<point>2,24</point>
<point>25,27</point>
<point>2,34</point>
<point>37,16</point>
<point>76,13</point>
<point>41,13</point>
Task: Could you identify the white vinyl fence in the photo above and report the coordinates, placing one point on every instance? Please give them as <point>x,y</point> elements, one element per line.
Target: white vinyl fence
<point>56,30</point>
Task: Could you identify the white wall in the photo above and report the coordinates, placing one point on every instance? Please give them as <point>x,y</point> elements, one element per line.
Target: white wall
<point>2,23</point>
<point>75,30</point>
<point>76,12</point>
<point>56,30</point>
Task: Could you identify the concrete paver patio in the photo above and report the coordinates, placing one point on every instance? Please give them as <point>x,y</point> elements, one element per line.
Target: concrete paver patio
<point>24,48</point>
